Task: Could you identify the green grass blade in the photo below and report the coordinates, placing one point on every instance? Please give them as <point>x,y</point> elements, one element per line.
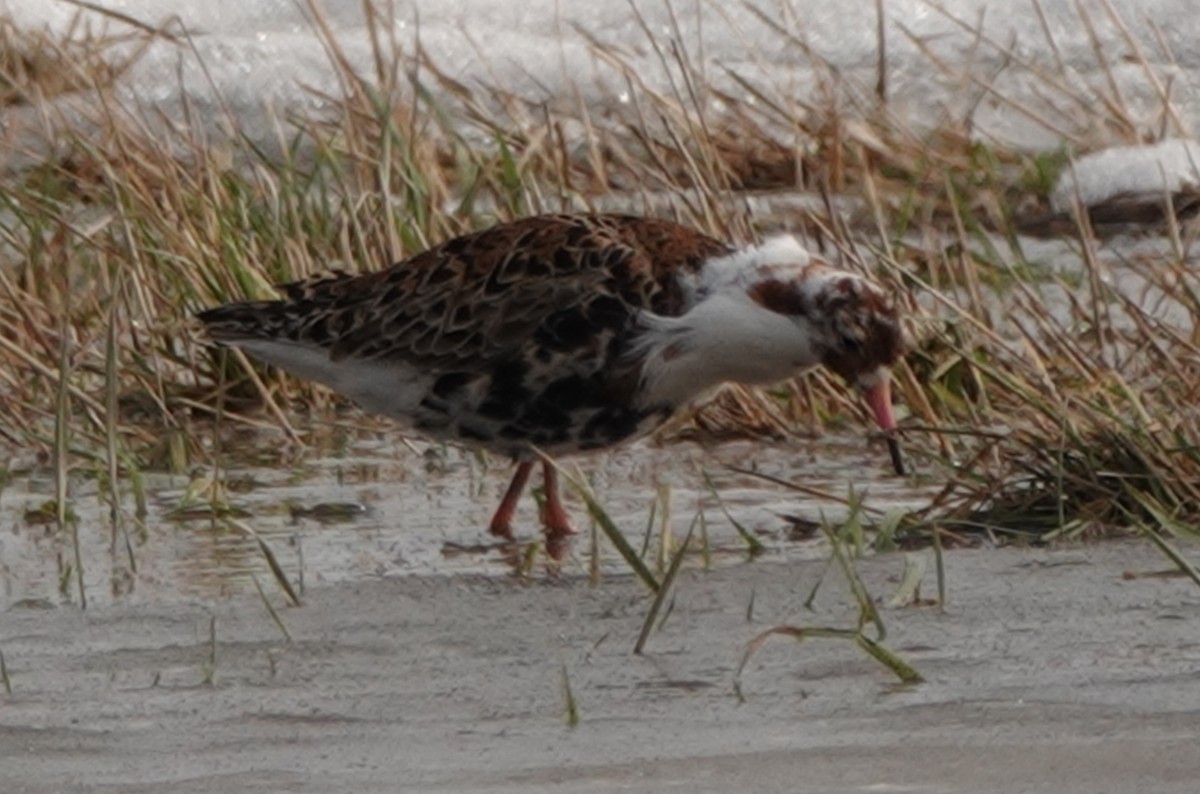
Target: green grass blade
<point>664,589</point>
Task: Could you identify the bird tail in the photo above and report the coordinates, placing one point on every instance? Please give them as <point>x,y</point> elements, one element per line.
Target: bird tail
<point>296,318</point>
<point>240,322</point>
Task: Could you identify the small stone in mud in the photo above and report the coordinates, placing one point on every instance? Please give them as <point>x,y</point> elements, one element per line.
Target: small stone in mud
<point>329,512</point>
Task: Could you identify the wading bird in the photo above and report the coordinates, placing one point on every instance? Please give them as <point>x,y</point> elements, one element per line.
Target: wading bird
<point>557,334</point>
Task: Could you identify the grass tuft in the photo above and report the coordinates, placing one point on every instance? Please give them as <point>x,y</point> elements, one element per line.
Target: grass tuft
<point>868,616</point>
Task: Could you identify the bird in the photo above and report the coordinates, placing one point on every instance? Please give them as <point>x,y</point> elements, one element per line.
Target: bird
<point>558,334</point>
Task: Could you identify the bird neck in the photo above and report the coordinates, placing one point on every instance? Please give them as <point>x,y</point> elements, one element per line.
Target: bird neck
<point>726,336</point>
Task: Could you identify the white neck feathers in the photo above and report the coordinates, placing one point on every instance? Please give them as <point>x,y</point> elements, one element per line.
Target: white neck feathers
<point>726,335</point>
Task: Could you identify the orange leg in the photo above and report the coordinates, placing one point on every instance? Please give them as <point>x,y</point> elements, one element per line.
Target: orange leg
<point>501,525</point>
<point>554,516</point>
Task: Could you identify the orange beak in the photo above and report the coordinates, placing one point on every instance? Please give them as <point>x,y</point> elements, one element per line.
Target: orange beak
<point>879,399</point>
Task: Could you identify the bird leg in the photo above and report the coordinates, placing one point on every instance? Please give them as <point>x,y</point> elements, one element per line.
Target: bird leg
<point>501,525</point>
<point>554,516</point>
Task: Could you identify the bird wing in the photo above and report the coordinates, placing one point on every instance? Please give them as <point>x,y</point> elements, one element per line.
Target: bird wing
<point>557,281</point>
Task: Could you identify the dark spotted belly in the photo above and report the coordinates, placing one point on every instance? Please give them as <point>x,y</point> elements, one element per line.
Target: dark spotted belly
<point>516,408</point>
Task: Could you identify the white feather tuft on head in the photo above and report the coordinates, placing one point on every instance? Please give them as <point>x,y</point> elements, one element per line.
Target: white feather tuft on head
<point>782,250</point>
<point>747,266</point>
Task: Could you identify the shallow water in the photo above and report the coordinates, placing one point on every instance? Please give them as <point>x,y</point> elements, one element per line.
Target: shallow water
<point>381,508</point>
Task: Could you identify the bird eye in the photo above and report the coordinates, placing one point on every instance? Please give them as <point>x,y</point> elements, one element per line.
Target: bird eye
<point>851,343</point>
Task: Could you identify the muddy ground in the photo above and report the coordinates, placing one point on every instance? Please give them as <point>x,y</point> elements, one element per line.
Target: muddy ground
<point>1048,671</point>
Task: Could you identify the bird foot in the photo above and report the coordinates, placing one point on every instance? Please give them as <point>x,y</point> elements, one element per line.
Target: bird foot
<point>558,529</point>
<point>501,525</point>
<point>558,543</point>
<point>502,530</point>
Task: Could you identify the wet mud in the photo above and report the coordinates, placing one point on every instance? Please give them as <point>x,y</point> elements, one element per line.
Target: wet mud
<point>1048,671</point>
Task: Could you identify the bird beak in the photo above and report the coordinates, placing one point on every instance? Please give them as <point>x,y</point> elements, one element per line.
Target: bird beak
<point>879,398</point>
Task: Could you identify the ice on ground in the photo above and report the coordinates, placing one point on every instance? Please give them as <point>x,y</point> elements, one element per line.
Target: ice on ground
<point>1151,172</point>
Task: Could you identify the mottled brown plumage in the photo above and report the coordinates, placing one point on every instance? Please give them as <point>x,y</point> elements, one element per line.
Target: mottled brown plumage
<point>475,298</point>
